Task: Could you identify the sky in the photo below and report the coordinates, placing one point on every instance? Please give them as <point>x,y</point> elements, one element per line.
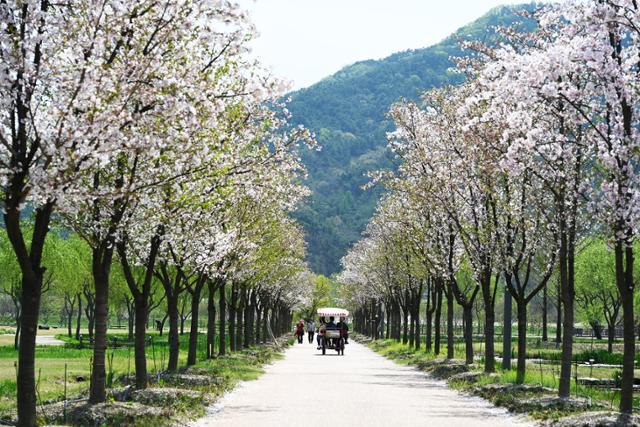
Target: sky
<point>306,40</point>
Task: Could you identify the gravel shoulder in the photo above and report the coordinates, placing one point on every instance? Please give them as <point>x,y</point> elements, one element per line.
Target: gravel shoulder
<point>360,388</point>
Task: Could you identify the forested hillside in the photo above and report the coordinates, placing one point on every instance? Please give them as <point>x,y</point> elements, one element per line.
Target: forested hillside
<point>347,113</point>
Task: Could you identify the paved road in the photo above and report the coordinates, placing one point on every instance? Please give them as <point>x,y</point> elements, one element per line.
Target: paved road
<point>41,339</point>
<point>361,388</point>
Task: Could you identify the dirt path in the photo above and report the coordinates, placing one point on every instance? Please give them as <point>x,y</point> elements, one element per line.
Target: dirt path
<point>361,388</point>
<point>48,340</point>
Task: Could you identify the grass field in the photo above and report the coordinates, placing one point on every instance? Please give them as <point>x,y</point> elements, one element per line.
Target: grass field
<point>545,374</point>
<point>51,362</point>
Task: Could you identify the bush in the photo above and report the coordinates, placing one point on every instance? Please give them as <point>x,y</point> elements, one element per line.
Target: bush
<point>599,356</point>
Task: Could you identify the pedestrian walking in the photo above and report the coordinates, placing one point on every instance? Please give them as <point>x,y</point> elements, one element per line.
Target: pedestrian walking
<point>321,331</point>
<point>311,330</point>
<point>300,331</point>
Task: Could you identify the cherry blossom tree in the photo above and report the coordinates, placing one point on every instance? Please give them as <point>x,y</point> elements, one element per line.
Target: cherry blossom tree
<point>434,141</point>
<point>70,73</point>
<point>110,113</point>
<point>599,43</point>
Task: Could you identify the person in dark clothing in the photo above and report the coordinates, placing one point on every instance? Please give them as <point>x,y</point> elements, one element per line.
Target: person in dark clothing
<point>344,329</point>
<point>332,323</point>
<point>311,330</point>
<point>300,331</point>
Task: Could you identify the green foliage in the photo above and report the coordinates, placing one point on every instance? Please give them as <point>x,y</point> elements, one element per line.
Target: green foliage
<point>10,277</point>
<point>347,113</point>
<point>66,256</point>
<point>596,290</point>
<point>595,273</point>
<point>323,294</point>
<point>68,259</point>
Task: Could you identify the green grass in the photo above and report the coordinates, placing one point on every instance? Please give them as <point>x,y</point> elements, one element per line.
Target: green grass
<point>546,374</point>
<point>52,360</point>
<point>7,387</point>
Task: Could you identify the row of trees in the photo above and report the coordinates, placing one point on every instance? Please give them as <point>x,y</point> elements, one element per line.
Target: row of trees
<point>504,177</point>
<point>70,297</point>
<point>146,130</point>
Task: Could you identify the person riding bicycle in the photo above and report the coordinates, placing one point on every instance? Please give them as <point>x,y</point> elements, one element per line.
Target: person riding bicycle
<point>334,327</point>
<point>321,331</point>
<point>332,323</point>
<point>344,329</point>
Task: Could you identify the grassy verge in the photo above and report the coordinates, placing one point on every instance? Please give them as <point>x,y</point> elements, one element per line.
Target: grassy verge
<point>536,397</point>
<point>171,399</point>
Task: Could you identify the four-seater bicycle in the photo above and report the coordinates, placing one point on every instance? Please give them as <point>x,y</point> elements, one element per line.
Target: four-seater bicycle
<point>332,336</point>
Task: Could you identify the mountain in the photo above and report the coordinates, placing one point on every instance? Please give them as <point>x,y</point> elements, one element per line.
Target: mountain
<point>347,113</point>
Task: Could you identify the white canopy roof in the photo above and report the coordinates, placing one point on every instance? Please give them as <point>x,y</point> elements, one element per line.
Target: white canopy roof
<point>332,311</point>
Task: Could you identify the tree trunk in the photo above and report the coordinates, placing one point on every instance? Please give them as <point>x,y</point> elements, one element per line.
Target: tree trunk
<point>437,321</point>
<point>90,325</point>
<point>193,333</point>
<point>265,324</point>
<point>416,318</point>
<point>70,321</point>
<point>567,292</point>
<point>506,330</point>
<point>467,316</point>
<point>429,318</point>
<point>611,334</point>
<point>545,308</point>
<point>174,338</point>
<point>70,324</point>
<point>258,335</point>
<point>522,341</point>
<point>397,323</point>
<point>559,315</point>
<point>624,282</point>
<point>183,317</point>
<point>16,337</point>
<point>142,305</point>
<point>489,325</point>
<point>597,329</point>
<point>450,345</point>
<point>628,359</point>
<point>26,350</point>
<point>211,319</point>
<point>412,327</point>
<point>387,308</point>
<point>378,319</point>
<point>232,316</point>
<point>79,317</point>
<point>248,320</point>
<point>131,323</point>
<point>101,267</point>
<point>222,350</point>
<point>405,325</point>
<point>162,322</point>
<point>89,311</point>
<point>240,319</point>
<point>139,343</point>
